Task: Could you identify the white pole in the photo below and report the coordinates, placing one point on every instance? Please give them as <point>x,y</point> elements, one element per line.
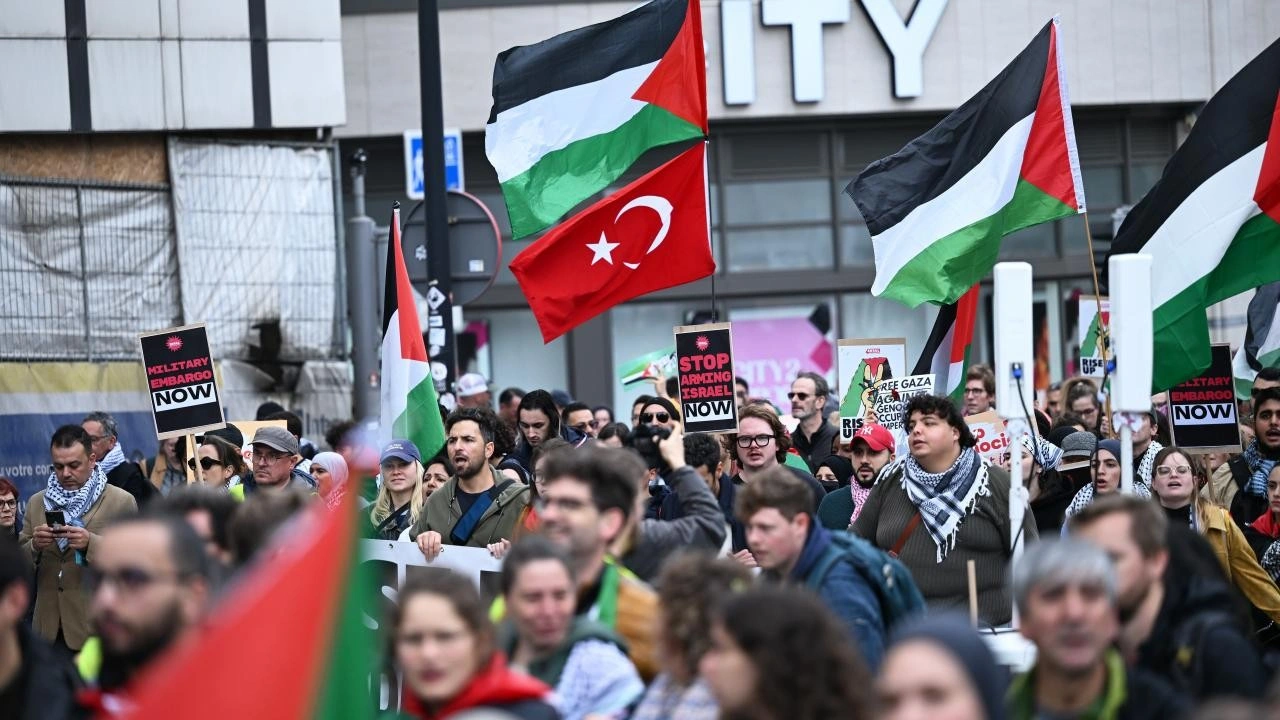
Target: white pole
<point>1129,278</point>
<point>1126,454</point>
<point>1015,383</point>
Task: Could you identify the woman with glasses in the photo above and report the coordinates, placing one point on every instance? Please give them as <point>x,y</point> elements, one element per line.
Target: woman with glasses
<point>9,524</point>
<point>1176,483</point>
<point>218,464</point>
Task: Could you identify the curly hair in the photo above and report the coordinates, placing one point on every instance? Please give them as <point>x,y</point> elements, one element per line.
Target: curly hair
<point>941,407</point>
<point>779,430</point>
<point>800,633</point>
<point>690,585</point>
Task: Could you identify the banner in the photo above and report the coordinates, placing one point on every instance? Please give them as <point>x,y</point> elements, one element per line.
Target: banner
<point>704,364</point>
<point>1091,335</point>
<point>184,392</point>
<point>862,365</point>
<point>1202,410</point>
<point>891,397</point>
<point>993,441</point>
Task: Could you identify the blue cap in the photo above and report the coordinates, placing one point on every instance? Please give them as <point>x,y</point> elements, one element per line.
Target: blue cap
<point>402,450</point>
<point>561,398</point>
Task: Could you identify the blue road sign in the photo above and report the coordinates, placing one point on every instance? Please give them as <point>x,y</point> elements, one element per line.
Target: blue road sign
<point>413,178</point>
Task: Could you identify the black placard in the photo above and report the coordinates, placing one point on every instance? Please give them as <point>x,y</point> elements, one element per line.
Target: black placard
<point>1202,410</point>
<point>180,381</point>
<point>704,364</point>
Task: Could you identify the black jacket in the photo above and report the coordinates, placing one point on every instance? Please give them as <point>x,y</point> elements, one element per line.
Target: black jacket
<point>523,453</point>
<point>1150,697</point>
<point>50,682</point>
<point>128,477</point>
<point>817,448</point>
<point>1050,508</point>
<point>1245,508</point>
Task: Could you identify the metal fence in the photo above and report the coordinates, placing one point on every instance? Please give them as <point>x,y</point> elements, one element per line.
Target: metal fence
<point>84,267</point>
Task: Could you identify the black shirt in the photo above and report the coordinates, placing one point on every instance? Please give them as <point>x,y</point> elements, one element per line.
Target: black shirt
<point>466,499</point>
<point>12,696</point>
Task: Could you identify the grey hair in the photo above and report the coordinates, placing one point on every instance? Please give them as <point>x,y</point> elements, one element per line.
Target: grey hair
<point>1062,562</point>
<point>820,386</point>
<point>108,423</point>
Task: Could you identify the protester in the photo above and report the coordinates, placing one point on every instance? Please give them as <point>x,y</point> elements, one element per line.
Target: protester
<point>979,389</point>
<point>603,415</point>
<point>869,452</point>
<point>1106,478</point>
<point>331,474</point>
<point>477,506</point>
<point>579,416</point>
<point>444,647</point>
<point>472,390</point>
<point>797,665</point>
<point>1082,400</point>
<point>529,521</point>
<point>402,494</point>
<point>9,523</point>
<point>1263,533</point>
<point>35,682</point>
<point>658,412</point>
<point>509,405</point>
<point>1053,400</point>
<point>435,474</point>
<point>834,473</point>
<point>219,465</point>
<point>939,667</point>
<point>1073,422</point>
<point>111,458</point>
<point>1174,624</point>
<point>585,661</point>
<point>258,518</point>
<point>636,406</point>
<point>789,545</point>
<point>1241,484</point>
<point>813,436</point>
<point>614,435</point>
<point>165,469</point>
<point>691,585</point>
<point>78,490</point>
<point>539,420</point>
<point>1176,485</point>
<point>208,511</point>
<point>1075,465</point>
<point>1067,606</point>
<point>151,582</point>
<point>275,462</point>
<point>293,423</point>
<point>1145,447</point>
<point>1049,492</point>
<point>504,443</point>
<point>942,506</point>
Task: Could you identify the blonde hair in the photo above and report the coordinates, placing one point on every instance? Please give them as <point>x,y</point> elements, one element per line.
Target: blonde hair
<point>1198,475</point>
<point>382,506</point>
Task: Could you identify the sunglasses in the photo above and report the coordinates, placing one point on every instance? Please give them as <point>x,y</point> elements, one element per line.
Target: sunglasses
<point>798,396</point>
<point>649,417</point>
<point>205,463</point>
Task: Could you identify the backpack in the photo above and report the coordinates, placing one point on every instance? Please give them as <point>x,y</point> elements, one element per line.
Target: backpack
<point>894,587</point>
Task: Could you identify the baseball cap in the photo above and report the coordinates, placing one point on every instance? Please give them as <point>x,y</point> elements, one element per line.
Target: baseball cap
<point>471,384</point>
<point>1077,450</point>
<point>402,450</point>
<point>561,398</point>
<point>876,436</point>
<point>277,438</point>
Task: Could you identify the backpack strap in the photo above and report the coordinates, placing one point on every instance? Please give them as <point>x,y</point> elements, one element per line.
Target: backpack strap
<point>466,525</point>
<point>912,524</point>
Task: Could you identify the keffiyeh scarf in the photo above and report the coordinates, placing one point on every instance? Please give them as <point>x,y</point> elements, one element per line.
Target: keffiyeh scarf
<point>114,459</point>
<point>74,504</point>
<point>1085,497</point>
<point>1271,561</point>
<point>945,498</point>
<point>1046,454</point>
<point>860,495</point>
<point>1148,461</point>
<point>1260,467</point>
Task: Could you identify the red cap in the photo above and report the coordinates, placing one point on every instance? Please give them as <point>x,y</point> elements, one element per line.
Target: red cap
<point>876,436</point>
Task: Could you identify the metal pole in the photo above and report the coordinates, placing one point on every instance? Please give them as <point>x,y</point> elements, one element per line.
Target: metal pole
<point>444,359</point>
<point>1126,454</point>
<point>362,303</point>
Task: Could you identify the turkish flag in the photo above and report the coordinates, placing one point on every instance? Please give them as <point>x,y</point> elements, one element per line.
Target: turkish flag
<point>651,235</point>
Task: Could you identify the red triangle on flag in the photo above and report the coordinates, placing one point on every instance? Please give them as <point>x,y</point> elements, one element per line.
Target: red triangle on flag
<point>679,83</point>
<point>1267,194</point>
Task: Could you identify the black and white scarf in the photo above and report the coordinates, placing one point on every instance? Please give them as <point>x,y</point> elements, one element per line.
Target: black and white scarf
<point>74,503</point>
<point>1147,462</point>
<point>945,498</point>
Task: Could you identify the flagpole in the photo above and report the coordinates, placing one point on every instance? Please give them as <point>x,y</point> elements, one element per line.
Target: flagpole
<point>1104,332</point>
<point>706,188</point>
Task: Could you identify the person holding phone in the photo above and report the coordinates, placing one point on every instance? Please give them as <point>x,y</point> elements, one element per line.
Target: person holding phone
<point>62,525</point>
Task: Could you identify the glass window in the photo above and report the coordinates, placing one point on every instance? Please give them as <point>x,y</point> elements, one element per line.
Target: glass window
<point>855,246</point>
<point>776,201</point>
<point>1103,185</point>
<point>639,329</point>
<point>1143,176</point>
<point>865,316</point>
<point>780,248</point>
<point>513,354</point>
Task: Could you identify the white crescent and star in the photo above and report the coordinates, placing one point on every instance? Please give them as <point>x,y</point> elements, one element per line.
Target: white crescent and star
<point>603,249</point>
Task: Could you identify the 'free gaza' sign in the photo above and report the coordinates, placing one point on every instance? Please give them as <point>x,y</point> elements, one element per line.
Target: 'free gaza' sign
<point>180,381</point>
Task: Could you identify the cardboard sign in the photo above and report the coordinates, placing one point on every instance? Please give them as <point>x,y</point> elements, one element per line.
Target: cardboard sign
<point>184,392</point>
<point>704,365</point>
<point>1092,335</point>
<point>864,364</point>
<point>993,440</point>
<point>1202,410</point>
<point>891,397</point>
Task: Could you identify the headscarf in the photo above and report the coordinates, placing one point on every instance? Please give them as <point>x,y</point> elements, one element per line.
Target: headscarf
<point>1148,461</point>
<point>74,504</point>
<point>945,498</point>
<point>1084,497</point>
<point>1045,454</point>
<point>337,467</point>
<point>840,467</point>
<point>953,635</point>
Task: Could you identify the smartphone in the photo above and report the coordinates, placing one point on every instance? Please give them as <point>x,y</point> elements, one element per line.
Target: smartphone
<point>54,518</point>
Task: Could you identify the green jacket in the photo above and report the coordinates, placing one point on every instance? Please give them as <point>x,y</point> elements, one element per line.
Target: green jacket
<point>1108,706</point>
<point>442,512</point>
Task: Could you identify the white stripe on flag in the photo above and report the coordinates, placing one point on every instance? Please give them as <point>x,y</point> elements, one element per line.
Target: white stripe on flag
<point>399,376</point>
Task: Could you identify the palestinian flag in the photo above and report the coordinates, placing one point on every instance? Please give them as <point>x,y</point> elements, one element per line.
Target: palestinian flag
<point>288,642</point>
<point>1261,348</point>
<point>947,353</point>
<point>1211,224</point>
<point>572,113</point>
<point>410,408</point>
<point>1003,161</point>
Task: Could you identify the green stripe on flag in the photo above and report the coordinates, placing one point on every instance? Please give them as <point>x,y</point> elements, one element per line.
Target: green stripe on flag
<point>951,265</point>
<point>851,405</point>
<point>561,179</point>
<point>344,692</point>
<point>420,422</point>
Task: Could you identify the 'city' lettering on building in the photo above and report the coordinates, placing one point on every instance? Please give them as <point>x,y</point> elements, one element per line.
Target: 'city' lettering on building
<point>905,42</point>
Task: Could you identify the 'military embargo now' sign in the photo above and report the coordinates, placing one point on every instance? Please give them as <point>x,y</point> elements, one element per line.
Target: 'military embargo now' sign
<point>704,364</point>
<point>1202,410</point>
<point>184,393</point>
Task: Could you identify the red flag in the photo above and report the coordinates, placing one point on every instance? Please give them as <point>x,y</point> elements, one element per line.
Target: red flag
<point>651,235</point>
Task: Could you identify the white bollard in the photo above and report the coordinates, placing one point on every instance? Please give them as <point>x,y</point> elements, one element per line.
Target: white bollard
<point>1131,346</point>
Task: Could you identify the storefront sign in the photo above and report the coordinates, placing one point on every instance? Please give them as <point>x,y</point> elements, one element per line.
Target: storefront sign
<point>863,365</point>
<point>1202,410</point>
<point>184,393</point>
<point>704,365</point>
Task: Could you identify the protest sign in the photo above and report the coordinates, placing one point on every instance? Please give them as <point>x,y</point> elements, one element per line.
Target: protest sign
<point>184,393</point>
<point>1202,410</point>
<point>892,395</point>
<point>862,365</point>
<point>704,365</point>
<point>992,438</point>
<point>1092,335</point>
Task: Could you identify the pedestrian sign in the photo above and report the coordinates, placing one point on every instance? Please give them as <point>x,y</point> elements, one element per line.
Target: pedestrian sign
<point>414,185</point>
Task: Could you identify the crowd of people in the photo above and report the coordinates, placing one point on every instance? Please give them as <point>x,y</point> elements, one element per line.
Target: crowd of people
<point>777,572</point>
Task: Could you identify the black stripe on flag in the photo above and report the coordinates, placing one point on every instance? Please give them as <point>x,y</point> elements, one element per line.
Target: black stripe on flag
<point>586,55</point>
<point>1234,121</point>
<point>941,328</point>
<point>890,188</point>
<point>1262,313</point>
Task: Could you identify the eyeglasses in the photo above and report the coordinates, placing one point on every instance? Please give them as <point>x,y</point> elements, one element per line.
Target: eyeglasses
<point>9,504</point>
<point>975,391</point>
<point>746,441</point>
<point>205,463</point>
<point>798,396</point>
<point>649,417</point>
<point>1165,470</point>
<point>125,580</point>
<point>267,457</point>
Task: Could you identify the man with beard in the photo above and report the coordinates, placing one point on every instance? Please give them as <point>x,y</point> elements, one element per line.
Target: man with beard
<point>812,437</point>
<point>1240,484</point>
<point>478,506</point>
<point>870,451</point>
<point>150,584</point>
<point>1066,596</point>
<point>1176,620</point>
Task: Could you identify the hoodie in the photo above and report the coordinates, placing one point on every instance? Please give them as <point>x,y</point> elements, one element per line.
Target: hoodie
<point>521,455</point>
<point>495,686</point>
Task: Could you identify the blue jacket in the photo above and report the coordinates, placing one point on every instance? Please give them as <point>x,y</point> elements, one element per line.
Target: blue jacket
<point>845,593</point>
